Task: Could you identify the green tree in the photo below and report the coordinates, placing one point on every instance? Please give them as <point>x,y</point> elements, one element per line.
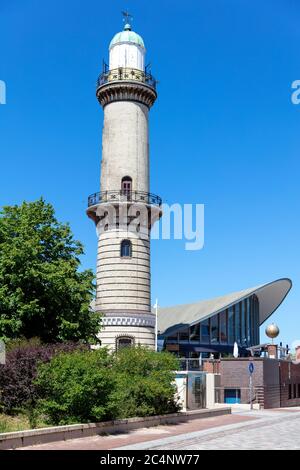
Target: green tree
<point>42,292</point>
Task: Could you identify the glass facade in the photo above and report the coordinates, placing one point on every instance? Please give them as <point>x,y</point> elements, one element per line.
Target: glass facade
<point>231,325</point>
<point>239,323</point>
<point>214,329</point>
<point>195,333</point>
<point>223,327</point>
<point>205,331</point>
<point>237,316</point>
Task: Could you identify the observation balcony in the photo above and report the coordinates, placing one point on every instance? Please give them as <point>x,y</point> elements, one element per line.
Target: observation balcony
<point>126,74</point>
<point>124,196</point>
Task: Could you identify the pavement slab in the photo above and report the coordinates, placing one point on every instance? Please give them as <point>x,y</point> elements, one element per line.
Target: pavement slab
<point>131,438</point>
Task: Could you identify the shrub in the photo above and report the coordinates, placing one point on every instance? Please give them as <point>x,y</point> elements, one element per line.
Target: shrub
<point>17,388</point>
<point>75,387</point>
<point>94,386</point>
<point>144,383</point>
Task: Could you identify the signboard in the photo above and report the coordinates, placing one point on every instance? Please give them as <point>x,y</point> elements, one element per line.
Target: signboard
<point>251,368</point>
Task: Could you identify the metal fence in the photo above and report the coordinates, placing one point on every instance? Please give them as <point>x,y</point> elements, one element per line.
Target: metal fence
<point>124,196</point>
<point>126,74</point>
<point>190,364</point>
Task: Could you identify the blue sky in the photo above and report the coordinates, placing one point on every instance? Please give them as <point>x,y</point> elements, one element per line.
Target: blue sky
<point>223,132</point>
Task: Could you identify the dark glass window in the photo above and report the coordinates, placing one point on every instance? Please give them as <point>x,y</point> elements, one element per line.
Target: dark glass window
<point>223,327</point>
<point>231,326</point>
<point>249,310</point>
<point>124,342</point>
<point>255,320</point>
<point>126,248</point>
<point>195,333</point>
<point>214,329</point>
<point>243,322</point>
<point>290,391</point>
<point>237,316</point>
<point>172,338</point>
<point>184,335</point>
<point>205,329</point>
<point>126,185</point>
<point>232,395</point>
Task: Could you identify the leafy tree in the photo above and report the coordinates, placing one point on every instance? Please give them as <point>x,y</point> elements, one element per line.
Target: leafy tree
<point>42,292</point>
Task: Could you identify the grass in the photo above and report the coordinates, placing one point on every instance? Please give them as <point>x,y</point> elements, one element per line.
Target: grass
<point>18,422</point>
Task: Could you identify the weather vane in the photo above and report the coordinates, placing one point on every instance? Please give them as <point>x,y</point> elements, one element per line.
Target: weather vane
<point>127,17</point>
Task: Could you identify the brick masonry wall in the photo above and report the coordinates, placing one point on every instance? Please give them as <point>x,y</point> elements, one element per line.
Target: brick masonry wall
<point>290,382</point>
<point>274,381</point>
<point>235,374</point>
<point>271,380</point>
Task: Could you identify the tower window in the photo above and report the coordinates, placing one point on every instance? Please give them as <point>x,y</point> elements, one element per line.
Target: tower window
<point>126,185</point>
<point>124,342</point>
<point>126,248</point>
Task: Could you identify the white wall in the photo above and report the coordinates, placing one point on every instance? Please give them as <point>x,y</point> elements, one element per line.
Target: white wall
<point>127,55</point>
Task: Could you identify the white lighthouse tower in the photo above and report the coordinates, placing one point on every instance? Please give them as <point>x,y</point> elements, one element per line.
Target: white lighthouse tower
<point>124,210</point>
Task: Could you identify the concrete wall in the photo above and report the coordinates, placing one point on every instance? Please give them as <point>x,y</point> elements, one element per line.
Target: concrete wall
<point>212,381</point>
<point>125,146</point>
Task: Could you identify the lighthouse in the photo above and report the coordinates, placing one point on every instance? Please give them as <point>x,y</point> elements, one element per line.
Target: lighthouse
<point>125,210</point>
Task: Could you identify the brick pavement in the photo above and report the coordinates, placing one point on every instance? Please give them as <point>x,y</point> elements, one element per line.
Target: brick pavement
<point>271,430</point>
<point>264,429</point>
<point>140,435</point>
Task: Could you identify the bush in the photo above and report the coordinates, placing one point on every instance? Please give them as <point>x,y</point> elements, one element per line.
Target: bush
<point>74,388</point>
<point>93,386</point>
<point>144,383</point>
<point>17,388</point>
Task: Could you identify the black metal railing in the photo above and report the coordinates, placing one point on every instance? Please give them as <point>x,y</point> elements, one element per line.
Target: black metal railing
<point>188,364</point>
<point>126,73</point>
<point>124,196</point>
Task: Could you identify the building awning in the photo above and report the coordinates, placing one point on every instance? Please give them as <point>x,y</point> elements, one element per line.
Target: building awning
<point>270,296</point>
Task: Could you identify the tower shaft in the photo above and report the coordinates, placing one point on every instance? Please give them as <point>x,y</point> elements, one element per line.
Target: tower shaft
<point>125,210</point>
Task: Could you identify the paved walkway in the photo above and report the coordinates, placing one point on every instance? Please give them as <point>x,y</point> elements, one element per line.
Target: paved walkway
<point>269,429</point>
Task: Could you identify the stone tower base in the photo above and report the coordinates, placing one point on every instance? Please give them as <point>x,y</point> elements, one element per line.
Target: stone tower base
<point>139,328</point>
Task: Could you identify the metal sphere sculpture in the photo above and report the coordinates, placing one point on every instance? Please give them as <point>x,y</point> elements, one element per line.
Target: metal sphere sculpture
<point>272,331</point>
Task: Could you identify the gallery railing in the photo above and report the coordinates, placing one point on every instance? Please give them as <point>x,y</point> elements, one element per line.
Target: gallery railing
<point>126,74</point>
<point>124,196</point>
<point>187,364</point>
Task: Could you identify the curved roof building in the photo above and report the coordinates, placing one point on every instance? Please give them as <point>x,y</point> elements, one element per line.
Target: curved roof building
<point>213,326</point>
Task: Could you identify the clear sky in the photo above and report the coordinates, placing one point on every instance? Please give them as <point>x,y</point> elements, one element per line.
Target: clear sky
<point>223,132</point>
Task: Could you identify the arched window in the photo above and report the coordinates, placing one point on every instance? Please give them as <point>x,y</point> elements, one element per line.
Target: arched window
<point>126,185</point>
<point>126,248</point>
<point>124,342</point>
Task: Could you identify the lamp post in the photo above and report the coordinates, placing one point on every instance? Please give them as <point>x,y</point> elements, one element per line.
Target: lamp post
<point>156,323</point>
